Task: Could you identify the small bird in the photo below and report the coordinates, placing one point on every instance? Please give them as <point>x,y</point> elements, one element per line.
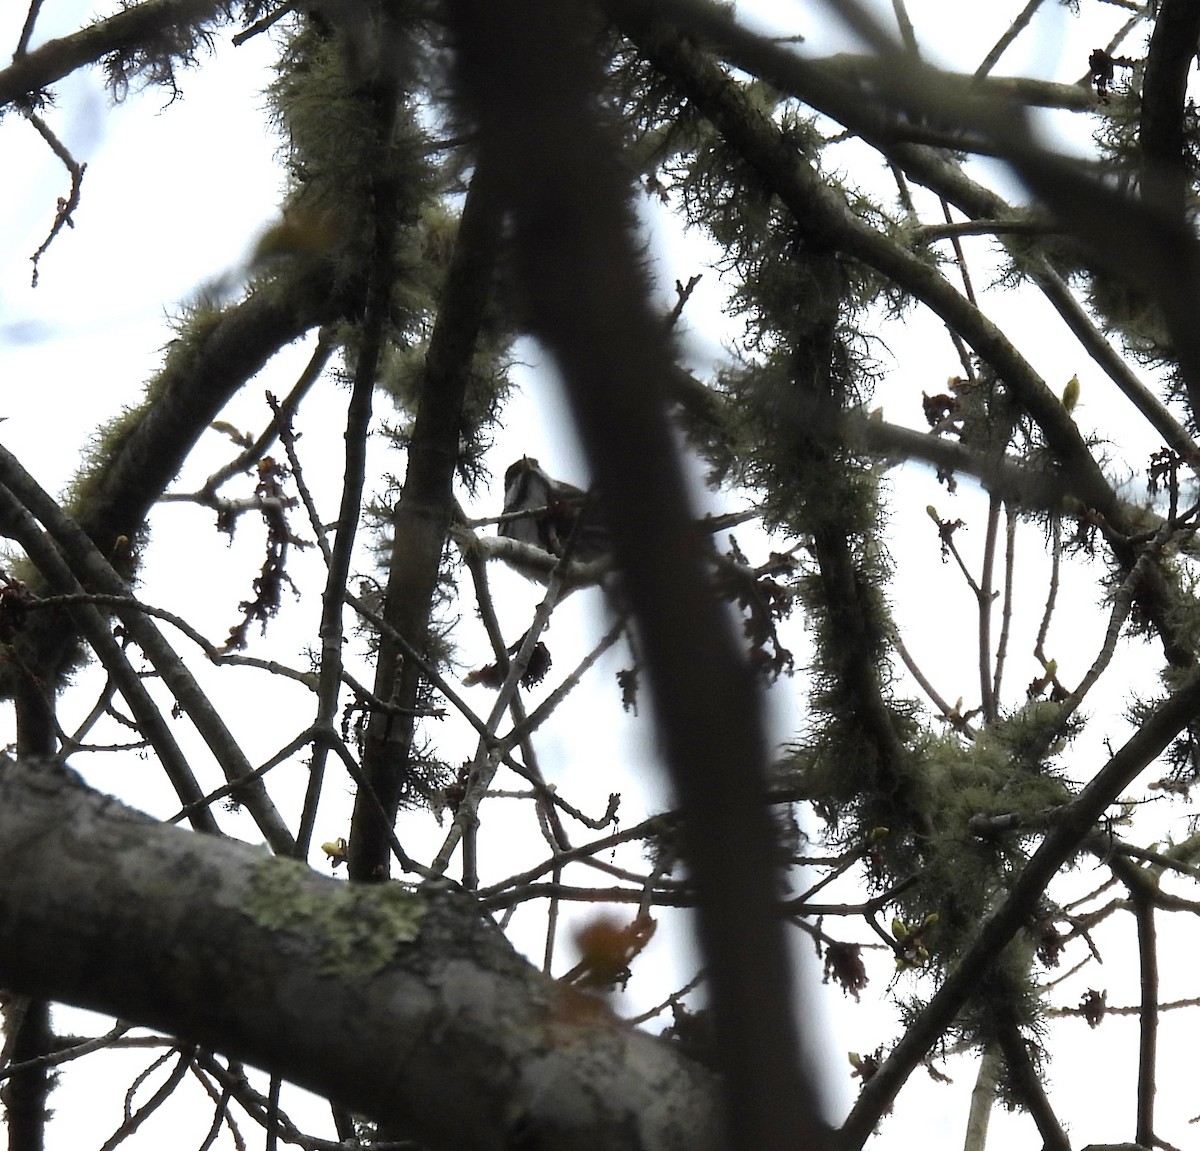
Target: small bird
<point>549,528</point>
<point>1070,396</point>
<point>557,517</point>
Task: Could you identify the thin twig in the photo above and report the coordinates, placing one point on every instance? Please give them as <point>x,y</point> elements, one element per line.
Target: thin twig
<point>1011,33</point>
<point>1010,544</point>
<point>985,600</point>
<point>1039,647</point>
<point>263,24</point>
<point>221,1113</point>
<point>75,1051</point>
<point>1121,606</point>
<point>66,204</point>
<point>670,1001</point>
<point>928,233</point>
<point>483,768</point>
<point>544,710</point>
<point>282,413</point>
<point>962,566</point>
<point>647,829</point>
<point>959,257</point>
<point>22,48</point>
<point>134,1119</point>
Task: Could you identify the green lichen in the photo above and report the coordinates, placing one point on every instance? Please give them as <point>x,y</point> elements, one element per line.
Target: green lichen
<point>357,929</point>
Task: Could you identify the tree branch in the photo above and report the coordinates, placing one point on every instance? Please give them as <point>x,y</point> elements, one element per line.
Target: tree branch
<point>422,517</point>
<point>1060,844</point>
<point>530,76</point>
<point>31,72</point>
<point>18,524</point>
<point>409,1008</point>
<point>91,569</point>
<point>1164,92</point>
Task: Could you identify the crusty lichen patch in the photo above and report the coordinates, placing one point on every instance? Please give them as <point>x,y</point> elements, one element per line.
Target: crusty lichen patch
<point>358,929</point>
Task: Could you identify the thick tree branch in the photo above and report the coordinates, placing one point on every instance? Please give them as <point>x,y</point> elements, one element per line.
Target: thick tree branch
<point>193,386</point>
<point>818,85</point>
<point>142,452</point>
<point>405,1007</point>
<point>1164,94</point>
<point>822,215</point>
<point>530,75</point>
<point>1162,257</point>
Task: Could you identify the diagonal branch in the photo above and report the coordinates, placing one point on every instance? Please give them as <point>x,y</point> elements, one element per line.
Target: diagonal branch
<point>32,72</point>
<point>1057,848</point>
<point>91,569</point>
<point>1028,1086</point>
<point>20,526</point>
<point>408,1008</point>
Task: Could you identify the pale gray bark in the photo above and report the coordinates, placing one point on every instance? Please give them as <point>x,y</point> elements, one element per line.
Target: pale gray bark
<point>983,1097</point>
<point>406,1007</point>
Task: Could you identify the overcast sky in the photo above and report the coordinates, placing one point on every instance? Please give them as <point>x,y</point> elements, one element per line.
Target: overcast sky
<point>173,198</point>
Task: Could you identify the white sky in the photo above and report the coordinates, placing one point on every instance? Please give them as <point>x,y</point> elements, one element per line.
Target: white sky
<point>173,198</point>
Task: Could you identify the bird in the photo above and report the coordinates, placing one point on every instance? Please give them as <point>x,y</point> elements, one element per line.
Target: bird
<point>548,529</point>
<point>1070,396</point>
<point>557,518</point>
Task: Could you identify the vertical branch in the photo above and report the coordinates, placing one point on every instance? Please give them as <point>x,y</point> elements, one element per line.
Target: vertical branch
<point>422,519</point>
<point>551,924</point>
<point>28,1032</point>
<point>24,1094</point>
<point>1143,908</point>
<point>272,1117</point>
<point>905,25</point>
<point>331,632</point>
<point>1010,545</point>
<point>530,75</point>
<point>380,274</point>
<point>983,1098</point>
<point>985,597</point>
<point>1163,135</point>
<point>1039,648</point>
